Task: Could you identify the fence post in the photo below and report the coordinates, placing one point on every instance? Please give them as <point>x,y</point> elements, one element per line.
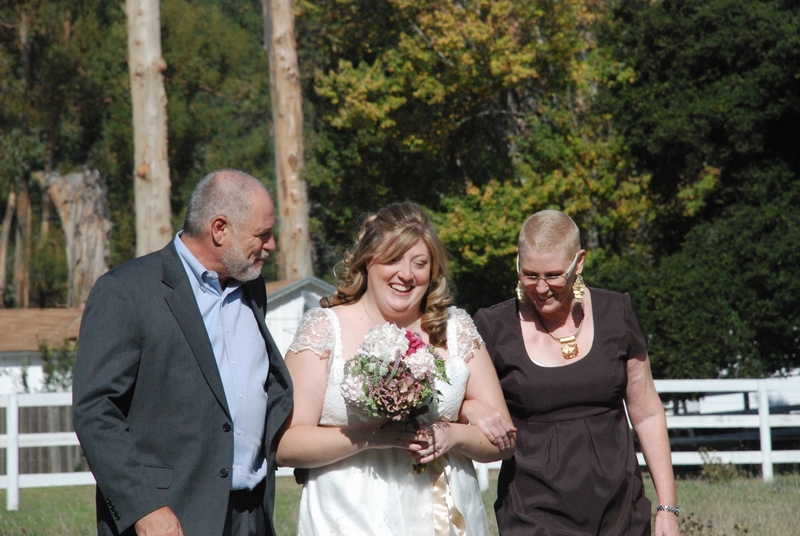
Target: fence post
<point>483,476</point>
<point>766,432</point>
<point>12,452</point>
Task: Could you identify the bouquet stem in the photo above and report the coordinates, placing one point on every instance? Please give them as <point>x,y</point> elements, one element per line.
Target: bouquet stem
<point>419,468</point>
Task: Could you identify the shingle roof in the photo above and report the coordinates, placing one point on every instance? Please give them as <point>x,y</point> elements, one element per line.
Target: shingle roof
<point>22,329</point>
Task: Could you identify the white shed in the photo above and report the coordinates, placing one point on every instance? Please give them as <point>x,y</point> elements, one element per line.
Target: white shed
<point>22,332</point>
<point>287,301</point>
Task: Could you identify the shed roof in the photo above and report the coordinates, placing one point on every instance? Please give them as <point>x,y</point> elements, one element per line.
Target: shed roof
<point>22,329</point>
<point>278,289</point>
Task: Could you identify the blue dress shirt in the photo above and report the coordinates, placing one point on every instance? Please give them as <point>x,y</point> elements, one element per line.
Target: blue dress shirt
<point>241,356</point>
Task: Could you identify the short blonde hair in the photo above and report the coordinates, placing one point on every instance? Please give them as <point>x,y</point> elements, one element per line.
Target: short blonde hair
<point>549,230</point>
<point>387,235</point>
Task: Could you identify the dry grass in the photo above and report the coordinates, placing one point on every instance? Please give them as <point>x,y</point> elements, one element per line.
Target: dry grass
<point>726,508</point>
<point>739,506</point>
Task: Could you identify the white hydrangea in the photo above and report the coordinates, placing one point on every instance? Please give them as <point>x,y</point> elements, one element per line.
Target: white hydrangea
<point>385,342</point>
<point>352,388</point>
<point>421,364</point>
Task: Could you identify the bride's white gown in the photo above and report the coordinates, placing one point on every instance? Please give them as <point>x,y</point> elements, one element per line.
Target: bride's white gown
<point>376,492</point>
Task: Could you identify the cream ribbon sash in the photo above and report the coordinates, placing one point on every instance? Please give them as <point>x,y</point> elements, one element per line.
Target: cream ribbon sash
<point>445,512</point>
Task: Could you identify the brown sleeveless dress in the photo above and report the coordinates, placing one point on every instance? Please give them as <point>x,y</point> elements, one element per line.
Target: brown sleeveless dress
<point>574,472</point>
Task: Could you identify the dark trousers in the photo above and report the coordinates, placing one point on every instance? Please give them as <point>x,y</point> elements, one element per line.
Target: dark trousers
<point>246,515</point>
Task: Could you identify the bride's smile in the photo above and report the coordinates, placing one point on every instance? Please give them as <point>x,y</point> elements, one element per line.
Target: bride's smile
<point>396,287</point>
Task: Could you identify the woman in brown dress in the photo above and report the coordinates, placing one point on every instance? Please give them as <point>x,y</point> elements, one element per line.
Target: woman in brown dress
<point>569,359</point>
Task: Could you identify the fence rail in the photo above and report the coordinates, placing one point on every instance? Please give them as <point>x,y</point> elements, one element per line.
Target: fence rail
<point>12,440</point>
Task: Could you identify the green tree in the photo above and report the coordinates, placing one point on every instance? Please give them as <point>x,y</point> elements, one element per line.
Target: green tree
<point>480,110</point>
<point>711,112</point>
<point>68,103</point>
<point>713,99</point>
<point>46,116</point>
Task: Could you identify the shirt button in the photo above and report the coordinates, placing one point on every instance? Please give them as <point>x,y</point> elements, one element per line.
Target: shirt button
<point>240,395</point>
<point>226,427</point>
<point>234,362</point>
<point>223,473</point>
<point>239,431</point>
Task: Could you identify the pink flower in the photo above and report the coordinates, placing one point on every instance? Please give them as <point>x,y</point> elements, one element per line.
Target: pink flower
<point>415,342</point>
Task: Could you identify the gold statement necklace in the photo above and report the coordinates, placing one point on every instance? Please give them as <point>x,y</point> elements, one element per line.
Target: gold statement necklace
<point>569,345</point>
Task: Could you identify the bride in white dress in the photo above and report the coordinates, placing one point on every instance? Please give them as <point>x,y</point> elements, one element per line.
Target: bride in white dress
<point>360,479</point>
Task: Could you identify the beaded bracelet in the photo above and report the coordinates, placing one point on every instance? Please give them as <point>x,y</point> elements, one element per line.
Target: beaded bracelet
<point>671,509</point>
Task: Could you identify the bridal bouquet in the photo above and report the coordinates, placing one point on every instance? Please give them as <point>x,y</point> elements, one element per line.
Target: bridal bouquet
<point>393,374</point>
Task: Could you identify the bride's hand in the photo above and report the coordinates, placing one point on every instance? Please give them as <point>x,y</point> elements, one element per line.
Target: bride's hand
<point>382,435</point>
<point>434,441</point>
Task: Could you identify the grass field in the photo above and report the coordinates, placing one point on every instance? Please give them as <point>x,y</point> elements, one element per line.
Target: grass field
<point>732,508</point>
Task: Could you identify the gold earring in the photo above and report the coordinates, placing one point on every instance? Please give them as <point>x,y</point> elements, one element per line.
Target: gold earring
<point>578,288</point>
<point>520,290</point>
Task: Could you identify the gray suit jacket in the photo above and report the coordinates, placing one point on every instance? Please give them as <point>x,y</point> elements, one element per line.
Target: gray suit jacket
<point>148,401</point>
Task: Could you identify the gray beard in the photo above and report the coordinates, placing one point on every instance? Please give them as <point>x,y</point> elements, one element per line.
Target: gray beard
<point>238,265</point>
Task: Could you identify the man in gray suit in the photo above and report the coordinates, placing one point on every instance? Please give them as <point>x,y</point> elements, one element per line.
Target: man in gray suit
<point>179,391</point>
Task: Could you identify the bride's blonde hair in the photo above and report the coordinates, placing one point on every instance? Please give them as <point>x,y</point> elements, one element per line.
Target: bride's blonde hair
<point>384,236</point>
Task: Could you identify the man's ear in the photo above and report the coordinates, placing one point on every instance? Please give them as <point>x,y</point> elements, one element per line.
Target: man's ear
<point>220,230</point>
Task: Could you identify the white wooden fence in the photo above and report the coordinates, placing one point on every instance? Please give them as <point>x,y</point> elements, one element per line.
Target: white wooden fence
<point>764,421</point>
<point>12,440</point>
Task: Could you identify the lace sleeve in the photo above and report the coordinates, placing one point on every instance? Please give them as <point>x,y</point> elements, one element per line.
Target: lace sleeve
<point>468,338</point>
<point>315,333</point>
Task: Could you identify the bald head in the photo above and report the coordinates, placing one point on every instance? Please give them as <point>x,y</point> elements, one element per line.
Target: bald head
<point>549,230</point>
<point>225,192</point>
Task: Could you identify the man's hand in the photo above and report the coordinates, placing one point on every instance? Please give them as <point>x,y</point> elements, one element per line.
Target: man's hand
<point>161,522</point>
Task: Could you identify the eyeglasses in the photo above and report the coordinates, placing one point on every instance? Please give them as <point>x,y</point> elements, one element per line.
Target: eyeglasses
<point>552,280</point>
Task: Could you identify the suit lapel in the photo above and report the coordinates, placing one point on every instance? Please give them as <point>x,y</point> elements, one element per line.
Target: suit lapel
<point>183,305</point>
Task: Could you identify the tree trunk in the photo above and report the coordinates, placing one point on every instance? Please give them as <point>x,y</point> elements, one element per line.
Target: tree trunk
<point>151,167</point>
<point>23,247</point>
<point>44,223</point>
<point>23,28</point>
<point>82,204</point>
<point>8,218</point>
<point>294,241</point>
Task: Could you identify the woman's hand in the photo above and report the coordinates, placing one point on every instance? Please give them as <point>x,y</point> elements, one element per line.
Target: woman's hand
<point>666,524</point>
<point>491,422</point>
<point>433,441</point>
<point>382,435</point>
